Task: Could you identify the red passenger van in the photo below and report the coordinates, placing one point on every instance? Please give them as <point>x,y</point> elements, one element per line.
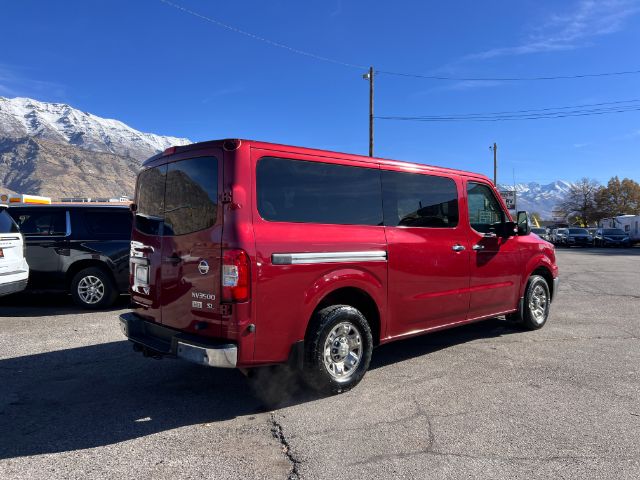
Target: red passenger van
<point>247,254</point>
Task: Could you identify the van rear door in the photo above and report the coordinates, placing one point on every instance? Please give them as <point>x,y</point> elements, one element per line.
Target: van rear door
<point>191,245</point>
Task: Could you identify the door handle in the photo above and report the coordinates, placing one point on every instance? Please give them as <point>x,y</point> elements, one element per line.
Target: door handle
<point>478,247</point>
<point>173,259</point>
<point>458,248</point>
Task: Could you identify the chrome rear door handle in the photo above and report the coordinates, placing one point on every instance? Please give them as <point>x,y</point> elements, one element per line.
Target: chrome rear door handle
<point>457,248</point>
<point>173,259</point>
<point>478,247</point>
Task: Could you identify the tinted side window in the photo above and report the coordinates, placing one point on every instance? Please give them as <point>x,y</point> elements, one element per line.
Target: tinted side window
<point>191,198</point>
<point>7,225</point>
<point>484,208</point>
<point>150,200</point>
<point>416,200</point>
<point>314,192</point>
<point>103,224</point>
<point>41,222</point>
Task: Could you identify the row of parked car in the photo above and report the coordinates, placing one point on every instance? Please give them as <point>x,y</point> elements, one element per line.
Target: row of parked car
<point>584,237</point>
<point>81,249</point>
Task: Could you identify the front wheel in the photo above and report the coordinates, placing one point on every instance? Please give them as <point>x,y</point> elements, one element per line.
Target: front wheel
<point>338,349</point>
<point>92,288</point>
<point>534,312</point>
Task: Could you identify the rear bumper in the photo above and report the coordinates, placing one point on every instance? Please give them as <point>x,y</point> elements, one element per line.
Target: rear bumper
<point>12,287</point>
<point>163,341</point>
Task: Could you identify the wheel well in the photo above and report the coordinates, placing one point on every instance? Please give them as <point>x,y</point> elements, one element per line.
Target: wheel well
<point>81,265</point>
<point>546,274</point>
<point>358,299</point>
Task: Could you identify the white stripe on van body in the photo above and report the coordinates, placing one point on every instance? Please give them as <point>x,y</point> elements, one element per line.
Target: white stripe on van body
<point>328,257</point>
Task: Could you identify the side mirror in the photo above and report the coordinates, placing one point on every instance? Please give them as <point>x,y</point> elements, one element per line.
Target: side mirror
<point>133,207</point>
<point>524,227</point>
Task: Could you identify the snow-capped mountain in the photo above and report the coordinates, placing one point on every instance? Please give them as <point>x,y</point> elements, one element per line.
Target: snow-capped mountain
<point>61,123</point>
<point>55,150</point>
<point>534,197</point>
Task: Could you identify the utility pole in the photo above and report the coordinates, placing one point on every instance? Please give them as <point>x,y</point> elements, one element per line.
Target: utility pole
<point>369,76</point>
<point>495,163</point>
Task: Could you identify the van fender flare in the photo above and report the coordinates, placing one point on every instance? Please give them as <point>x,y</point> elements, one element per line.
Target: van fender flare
<point>535,262</point>
<point>343,278</point>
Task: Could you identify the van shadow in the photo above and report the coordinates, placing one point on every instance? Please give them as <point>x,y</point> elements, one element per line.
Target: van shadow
<point>104,394</point>
<point>424,344</point>
<point>47,304</point>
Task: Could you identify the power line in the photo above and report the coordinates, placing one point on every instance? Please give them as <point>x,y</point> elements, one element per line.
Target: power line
<point>531,114</point>
<point>305,53</point>
<point>262,39</point>
<point>532,110</point>
<point>509,79</point>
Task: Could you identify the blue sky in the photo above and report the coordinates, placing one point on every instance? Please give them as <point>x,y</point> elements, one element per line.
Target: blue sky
<point>165,71</point>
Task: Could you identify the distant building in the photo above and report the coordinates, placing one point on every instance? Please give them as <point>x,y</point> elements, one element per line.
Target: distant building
<point>558,215</point>
<point>121,199</point>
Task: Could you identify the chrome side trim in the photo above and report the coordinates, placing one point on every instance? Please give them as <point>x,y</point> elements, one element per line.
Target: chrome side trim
<point>328,257</point>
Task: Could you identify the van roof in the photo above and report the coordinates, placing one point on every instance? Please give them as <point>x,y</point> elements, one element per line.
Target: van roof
<point>276,147</point>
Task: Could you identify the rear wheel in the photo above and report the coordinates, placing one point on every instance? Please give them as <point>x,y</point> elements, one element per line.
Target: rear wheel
<point>535,308</point>
<point>338,349</point>
<point>93,288</point>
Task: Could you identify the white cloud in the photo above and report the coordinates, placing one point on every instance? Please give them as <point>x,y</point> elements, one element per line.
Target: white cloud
<point>590,18</point>
<point>15,83</point>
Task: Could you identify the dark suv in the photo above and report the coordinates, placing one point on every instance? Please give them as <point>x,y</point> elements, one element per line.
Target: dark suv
<point>612,237</point>
<point>82,249</point>
<point>579,237</point>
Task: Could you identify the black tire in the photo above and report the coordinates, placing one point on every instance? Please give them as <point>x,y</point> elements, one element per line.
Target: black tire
<point>351,324</point>
<point>534,313</point>
<point>104,293</point>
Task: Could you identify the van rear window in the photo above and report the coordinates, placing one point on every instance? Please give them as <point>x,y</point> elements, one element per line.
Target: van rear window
<point>314,192</point>
<point>178,198</point>
<point>150,200</point>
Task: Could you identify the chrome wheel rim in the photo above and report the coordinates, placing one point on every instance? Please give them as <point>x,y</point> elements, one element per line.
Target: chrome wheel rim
<point>342,350</point>
<point>90,289</point>
<point>538,304</point>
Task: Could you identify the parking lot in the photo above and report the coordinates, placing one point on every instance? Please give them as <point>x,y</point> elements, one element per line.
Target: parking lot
<point>480,401</point>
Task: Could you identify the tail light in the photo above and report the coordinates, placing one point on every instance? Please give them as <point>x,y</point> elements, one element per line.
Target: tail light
<point>235,276</point>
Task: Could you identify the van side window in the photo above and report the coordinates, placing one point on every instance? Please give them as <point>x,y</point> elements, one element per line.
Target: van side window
<point>417,200</point>
<point>313,192</point>
<point>484,208</point>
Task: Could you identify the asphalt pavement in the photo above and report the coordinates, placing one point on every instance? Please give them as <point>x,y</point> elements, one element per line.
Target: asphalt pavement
<point>480,401</point>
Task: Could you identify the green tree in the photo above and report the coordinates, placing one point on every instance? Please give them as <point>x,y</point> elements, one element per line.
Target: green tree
<point>619,197</point>
<point>581,201</point>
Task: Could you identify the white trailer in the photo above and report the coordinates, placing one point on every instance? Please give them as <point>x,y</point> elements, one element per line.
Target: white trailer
<point>629,223</point>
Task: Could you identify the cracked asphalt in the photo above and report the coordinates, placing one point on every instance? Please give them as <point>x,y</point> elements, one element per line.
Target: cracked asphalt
<point>480,401</point>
